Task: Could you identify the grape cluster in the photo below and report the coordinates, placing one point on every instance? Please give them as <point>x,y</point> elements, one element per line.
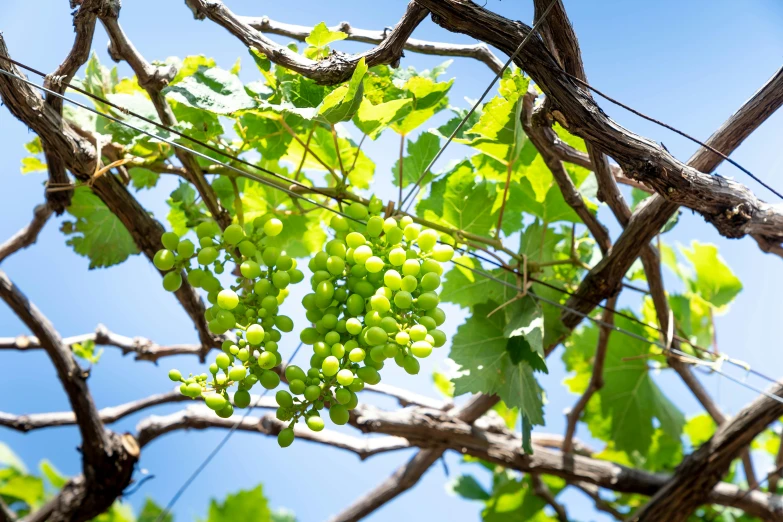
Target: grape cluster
<point>374,299</point>
<point>249,307</point>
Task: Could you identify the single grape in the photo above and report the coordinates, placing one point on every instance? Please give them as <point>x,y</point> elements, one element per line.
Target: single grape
<point>339,414</point>
<point>335,265</point>
<point>403,299</point>
<point>411,365</point>
<point>255,334</point>
<point>380,303</point>
<point>374,226</point>
<point>207,255</point>
<point>250,269</point>
<point>172,281</point>
<point>163,260</point>
<point>343,395</point>
<point>170,240</point>
<point>267,360</point>
<point>227,299</point>
<point>284,323</point>
<point>186,249</point>
<point>421,349</point>
<point>374,264</point>
<point>242,399</point>
<point>409,283</point>
<point>411,232</point>
<point>330,366</point>
<point>397,256</point>
<point>315,423</point>
<point>428,300</point>
<point>376,335</point>
<point>223,360</point>
<point>207,229</point>
<point>226,412</point>
<point>338,350</point>
<point>357,211</point>
<point>175,375</point>
<point>233,234</point>
<point>339,223</point>
<point>269,379</point>
<point>345,377</point>
<point>237,373</point>
<point>296,386</point>
<point>357,355</point>
<point>312,393</point>
<point>427,240</point>
<point>355,240</point>
<point>285,438</point>
<point>273,227</point>
<point>442,253</point>
<point>215,401</point>
<point>284,399</point>
<point>430,281</point>
<point>293,372</point>
<point>369,375</point>
<point>362,254</point>
<point>193,389</point>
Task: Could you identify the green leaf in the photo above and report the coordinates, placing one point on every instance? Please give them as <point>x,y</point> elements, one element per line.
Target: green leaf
<point>443,384</point>
<point>525,333</point>
<point>467,487</point>
<point>142,178</point>
<point>516,500</point>
<point>265,133</point>
<point>429,98</point>
<point>189,66</point>
<point>260,59</point>
<point>215,90</point>
<point>342,103</point>
<point>374,119</point>
<point>196,123</point>
<point>457,199</point>
<point>118,512</point>
<point>630,398</point>
<point>138,103</point>
<point>303,92</point>
<point>321,36</point>
<point>25,488</point>
<point>32,164</point>
<point>86,351</point>
<point>450,126</point>
<point>420,153</point>
<point>479,348</point>
<point>714,281</point>
<point>236,67</point>
<point>249,505</point>
<point>52,474</point>
<point>466,289</point>
<point>97,233</point>
<point>151,512</point>
<point>34,146</point>
<point>699,429</point>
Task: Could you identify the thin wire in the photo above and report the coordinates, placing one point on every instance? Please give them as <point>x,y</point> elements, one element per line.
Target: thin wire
<point>497,76</point>
<point>215,451</point>
<point>658,122</point>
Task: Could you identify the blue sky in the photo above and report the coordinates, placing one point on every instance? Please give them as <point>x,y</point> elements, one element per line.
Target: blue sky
<point>690,64</point>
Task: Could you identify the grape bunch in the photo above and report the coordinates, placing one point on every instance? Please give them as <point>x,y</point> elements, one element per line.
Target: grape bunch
<point>249,307</point>
<point>374,299</point>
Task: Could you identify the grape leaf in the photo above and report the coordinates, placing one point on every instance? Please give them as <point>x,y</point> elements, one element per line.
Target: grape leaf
<point>420,154</point>
<point>264,131</point>
<point>700,428</point>
<point>97,233</point>
<point>151,512</point>
<point>374,119</point>
<point>525,333</point>
<point>32,164</point>
<point>457,199</point>
<point>468,289</point>
<point>429,97</point>
<point>189,65</point>
<point>467,487</point>
<point>714,280</point>
<point>516,500</point>
<point>142,178</point>
<point>24,488</point>
<point>34,146</point>
<point>321,36</point>
<point>215,90</point>
<point>479,348</point>
<point>342,103</point>
<point>243,505</point>
<point>450,126</point>
<point>52,474</point>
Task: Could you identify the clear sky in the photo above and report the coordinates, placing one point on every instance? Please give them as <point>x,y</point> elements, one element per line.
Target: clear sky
<point>690,64</point>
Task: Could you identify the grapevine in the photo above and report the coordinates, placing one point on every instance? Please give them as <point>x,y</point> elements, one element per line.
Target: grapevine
<point>248,308</point>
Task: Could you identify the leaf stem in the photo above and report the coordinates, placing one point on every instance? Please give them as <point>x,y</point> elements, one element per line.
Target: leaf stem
<point>339,156</point>
<point>499,227</point>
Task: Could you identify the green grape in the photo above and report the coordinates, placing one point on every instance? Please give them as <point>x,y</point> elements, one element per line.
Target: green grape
<point>315,423</point>
<point>411,267</point>
<point>355,240</point>
<point>267,360</point>
<point>331,338</point>
<point>285,263</point>
<point>389,324</point>
<point>175,375</point>
<point>355,306</point>
<point>374,226</point>
<point>250,269</point>
<point>330,366</point>
<point>357,211</point>
<point>427,240</point>
<point>296,276</point>
<point>430,281</point>
<point>207,255</point>
<point>285,438</point>
<point>163,260</point>
<point>372,318</point>
<point>362,254</point>
<point>397,256</point>
<point>409,283</point>
<point>273,227</point>
<point>293,372</point>
<point>339,414</point>
<point>357,355</point>
<point>324,293</point>
<point>296,386</point>
<point>374,264</point>
<point>223,360</point>
<point>281,280</point>
<point>430,265</point>
<point>207,229</point>
<point>411,365</point>
<point>186,249</point>
<point>377,354</point>
<point>270,256</point>
<point>345,377</point>
<point>338,350</point>
<point>343,395</point>
<point>247,248</point>
<point>376,335</point>
<point>226,412</point>
<point>380,303</point>
<point>172,281</point>
<point>215,401</point>
<point>243,354</point>
<point>312,393</point>
<point>438,314</point>
<point>205,242</point>
<point>353,402</point>
<point>417,332</point>
<point>428,300</point>
<point>339,223</point>
<point>269,380</point>
<point>255,334</point>
<point>237,373</point>
<point>394,236</point>
<point>364,289</point>
<point>242,399</point>
<point>442,253</point>
<point>375,206</point>
<point>170,240</point>
<point>421,349</point>
<point>193,390</point>
<point>309,336</point>
<point>233,234</point>
<point>357,385</point>
<point>284,323</point>
<point>369,375</point>
<point>411,232</point>
<point>284,399</point>
<point>227,299</point>
<point>392,279</point>
<point>403,299</point>
<point>335,265</point>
